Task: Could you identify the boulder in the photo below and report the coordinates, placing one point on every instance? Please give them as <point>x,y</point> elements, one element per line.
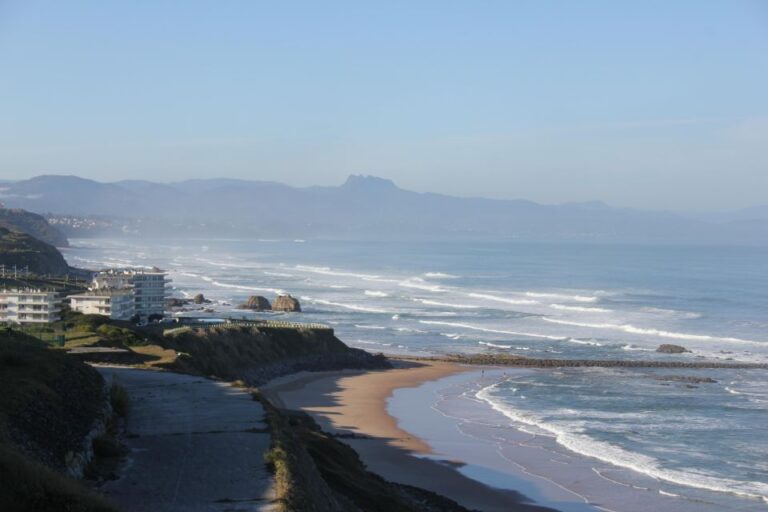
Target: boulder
<point>286,303</point>
<point>173,302</point>
<point>200,299</point>
<point>686,378</point>
<point>668,348</point>
<point>256,303</point>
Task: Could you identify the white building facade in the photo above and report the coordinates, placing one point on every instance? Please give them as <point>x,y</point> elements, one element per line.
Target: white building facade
<point>29,306</point>
<point>116,304</point>
<point>149,288</point>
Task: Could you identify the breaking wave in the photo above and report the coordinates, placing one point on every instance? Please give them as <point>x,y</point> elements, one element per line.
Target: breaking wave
<point>445,304</point>
<point>327,271</point>
<point>575,298</point>
<point>353,307</point>
<point>505,300</point>
<point>373,293</point>
<point>582,444</point>
<point>631,329</point>
<point>494,345</point>
<point>582,309</point>
<point>420,284</point>
<point>484,329</point>
<point>440,275</point>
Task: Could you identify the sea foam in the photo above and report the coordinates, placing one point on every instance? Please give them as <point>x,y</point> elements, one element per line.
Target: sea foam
<point>584,445</point>
<point>484,329</point>
<point>505,300</point>
<point>353,307</point>
<point>631,329</point>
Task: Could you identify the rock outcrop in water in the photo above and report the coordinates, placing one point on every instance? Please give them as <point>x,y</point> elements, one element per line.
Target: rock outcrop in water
<point>688,379</point>
<point>668,348</point>
<point>286,303</point>
<point>175,302</point>
<point>256,303</point>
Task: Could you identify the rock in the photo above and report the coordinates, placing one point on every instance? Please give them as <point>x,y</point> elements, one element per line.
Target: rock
<point>667,348</point>
<point>256,303</point>
<point>200,299</point>
<point>686,378</point>
<point>173,302</point>
<point>286,303</point>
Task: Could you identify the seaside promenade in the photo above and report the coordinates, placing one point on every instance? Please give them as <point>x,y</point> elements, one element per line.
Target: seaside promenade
<point>195,445</point>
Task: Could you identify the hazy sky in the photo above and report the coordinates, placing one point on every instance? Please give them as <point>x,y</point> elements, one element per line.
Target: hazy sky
<point>659,104</point>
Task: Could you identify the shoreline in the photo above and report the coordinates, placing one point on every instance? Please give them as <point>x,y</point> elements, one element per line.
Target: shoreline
<point>352,405</point>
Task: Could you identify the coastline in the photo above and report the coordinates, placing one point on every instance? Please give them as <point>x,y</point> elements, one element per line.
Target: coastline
<point>352,405</point>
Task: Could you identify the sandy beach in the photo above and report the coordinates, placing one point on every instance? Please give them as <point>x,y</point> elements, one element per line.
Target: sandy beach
<point>353,404</point>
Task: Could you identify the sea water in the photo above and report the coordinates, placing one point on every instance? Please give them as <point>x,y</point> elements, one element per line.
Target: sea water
<point>538,300</point>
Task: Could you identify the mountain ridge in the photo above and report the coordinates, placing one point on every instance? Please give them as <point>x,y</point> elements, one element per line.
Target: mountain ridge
<point>363,206</point>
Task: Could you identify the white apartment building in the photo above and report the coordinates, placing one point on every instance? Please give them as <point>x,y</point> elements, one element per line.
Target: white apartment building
<point>29,306</point>
<point>117,304</point>
<point>149,288</point>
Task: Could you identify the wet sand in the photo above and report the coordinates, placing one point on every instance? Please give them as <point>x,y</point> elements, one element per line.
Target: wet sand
<point>353,404</point>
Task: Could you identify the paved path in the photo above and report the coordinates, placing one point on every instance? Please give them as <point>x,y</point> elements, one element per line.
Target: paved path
<point>196,445</point>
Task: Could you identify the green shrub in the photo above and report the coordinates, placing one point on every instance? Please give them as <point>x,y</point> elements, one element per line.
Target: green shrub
<point>118,397</point>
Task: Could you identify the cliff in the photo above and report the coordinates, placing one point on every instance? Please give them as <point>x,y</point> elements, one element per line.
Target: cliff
<point>258,354</point>
<point>32,224</point>
<point>314,472</point>
<point>23,250</point>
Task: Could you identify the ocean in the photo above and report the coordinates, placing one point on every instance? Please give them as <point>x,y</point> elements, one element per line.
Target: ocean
<point>693,445</point>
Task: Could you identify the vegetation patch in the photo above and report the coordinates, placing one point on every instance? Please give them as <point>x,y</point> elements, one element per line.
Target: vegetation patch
<point>29,486</point>
<point>49,404</point>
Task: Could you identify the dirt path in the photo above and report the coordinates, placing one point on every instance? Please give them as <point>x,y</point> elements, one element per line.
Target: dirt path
<point>196,445</point>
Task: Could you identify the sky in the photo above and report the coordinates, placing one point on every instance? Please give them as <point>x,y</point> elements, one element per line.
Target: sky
<point>651,104</point>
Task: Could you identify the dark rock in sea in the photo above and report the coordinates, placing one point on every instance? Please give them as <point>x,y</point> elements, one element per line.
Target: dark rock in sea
<point>686,378</point>
<point>173,302</point>
<point>256,303</point>
<point>667,348</point>
<point>200,299</point>
<point>286,303</point>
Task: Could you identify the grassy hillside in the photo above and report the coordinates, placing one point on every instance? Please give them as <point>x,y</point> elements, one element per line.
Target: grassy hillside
<point>48,405</point>
<point>257,355</point>
<point>23,250</point>
<point>16,219</point>
<point>314,472</point>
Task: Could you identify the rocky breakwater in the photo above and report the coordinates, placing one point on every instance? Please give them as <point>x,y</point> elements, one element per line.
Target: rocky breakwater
<point>526,362</point>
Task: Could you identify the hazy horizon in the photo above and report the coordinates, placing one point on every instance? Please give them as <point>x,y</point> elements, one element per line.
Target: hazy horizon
<point>654,106</point>
<point>597,200</point>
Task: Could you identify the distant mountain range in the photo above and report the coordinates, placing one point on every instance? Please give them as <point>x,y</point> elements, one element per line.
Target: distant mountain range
<point>363,207</point>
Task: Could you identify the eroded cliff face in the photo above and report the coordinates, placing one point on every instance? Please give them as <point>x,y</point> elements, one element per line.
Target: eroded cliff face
<point>258,354</point>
